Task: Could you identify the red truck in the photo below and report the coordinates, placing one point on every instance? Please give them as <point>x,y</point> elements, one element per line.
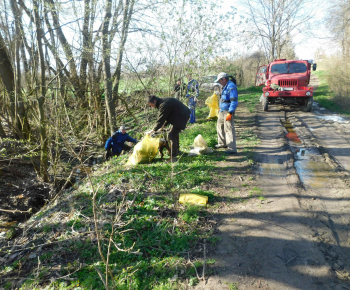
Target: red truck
<point>286,81</point>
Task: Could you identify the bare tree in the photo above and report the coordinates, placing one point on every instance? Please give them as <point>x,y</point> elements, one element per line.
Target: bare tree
<point>18,39</point>
<point>42,94</point>
<point>61,58</point>
<point>7,73</point>
<point>339,24</point>
<point>183,40</point>
<point>276,22</point>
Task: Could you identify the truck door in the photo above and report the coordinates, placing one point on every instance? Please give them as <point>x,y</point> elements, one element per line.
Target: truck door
<point>261,76</point>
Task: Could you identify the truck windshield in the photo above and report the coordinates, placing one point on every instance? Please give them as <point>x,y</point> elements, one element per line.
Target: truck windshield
<point>208,79</point>
<point>288,68</point>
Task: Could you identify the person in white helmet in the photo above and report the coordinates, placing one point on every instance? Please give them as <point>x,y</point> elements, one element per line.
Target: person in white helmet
<point>225,125</point>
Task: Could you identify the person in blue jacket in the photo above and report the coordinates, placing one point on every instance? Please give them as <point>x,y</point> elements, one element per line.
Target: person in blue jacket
<point>225,125</point>
<point>192,94</point>
<point>116,143</point>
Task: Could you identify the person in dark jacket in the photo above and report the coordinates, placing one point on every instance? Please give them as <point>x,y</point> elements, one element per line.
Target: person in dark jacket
<point>178,89</point>
<point>174,112</point>
<point>116,143</point>
<point>192,94</point>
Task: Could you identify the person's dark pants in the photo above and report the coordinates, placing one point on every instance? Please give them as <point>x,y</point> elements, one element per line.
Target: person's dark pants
<point>174,140</point>
<point>126,148</point>
<point>110,153</point>
<point>193,115</point>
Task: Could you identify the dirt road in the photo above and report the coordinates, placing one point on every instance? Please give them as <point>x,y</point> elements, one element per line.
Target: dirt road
<point>296,236</point>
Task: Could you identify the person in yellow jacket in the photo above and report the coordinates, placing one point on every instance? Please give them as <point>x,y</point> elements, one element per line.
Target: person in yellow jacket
<point>213,103</point>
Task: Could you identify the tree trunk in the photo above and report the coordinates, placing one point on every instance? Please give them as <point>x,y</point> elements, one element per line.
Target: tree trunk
<point>74,79</point>
<point>2,132</point>
<point>87,45</point>
<point>127,14</point>
<point>21,112</point>
<point>8,79</point>
<point>106,55</point>
<point>41,99</point>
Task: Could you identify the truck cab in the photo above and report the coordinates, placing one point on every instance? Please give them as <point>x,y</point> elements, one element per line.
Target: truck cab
<point>286,81</point>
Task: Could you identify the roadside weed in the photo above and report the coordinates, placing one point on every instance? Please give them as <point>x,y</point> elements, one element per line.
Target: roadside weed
<point>213,240</point>
<point>232,286</point>
<point>190,213</point>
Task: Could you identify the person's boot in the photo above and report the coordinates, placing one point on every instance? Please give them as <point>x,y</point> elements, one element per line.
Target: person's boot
<point>220,146</point>
<point>230,152</point>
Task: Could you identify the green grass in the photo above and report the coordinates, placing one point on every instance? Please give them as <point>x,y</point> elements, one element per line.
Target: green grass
<point>325,97</point>
<point>159,248</point>
<point>232,286</point>
<point>190,213</point>
<point>250,97</point>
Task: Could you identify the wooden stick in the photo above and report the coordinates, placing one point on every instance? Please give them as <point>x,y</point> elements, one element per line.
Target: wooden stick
<point>8,227</point>
<point>205,261</point>
<point>16,211</point>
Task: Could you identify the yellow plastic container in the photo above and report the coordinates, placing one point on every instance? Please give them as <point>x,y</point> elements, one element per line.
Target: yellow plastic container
<point>193,198</point>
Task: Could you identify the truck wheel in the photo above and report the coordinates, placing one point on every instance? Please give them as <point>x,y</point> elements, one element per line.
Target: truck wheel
<point>308,104</point>
<point>265,104</point>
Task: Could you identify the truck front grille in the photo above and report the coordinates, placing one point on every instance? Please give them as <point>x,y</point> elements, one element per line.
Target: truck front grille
<point>288,83</point>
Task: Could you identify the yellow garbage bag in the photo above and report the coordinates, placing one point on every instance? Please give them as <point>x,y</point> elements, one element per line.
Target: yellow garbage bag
<point>144,151</point>
<point>193,198</point>
<point>213,103</point>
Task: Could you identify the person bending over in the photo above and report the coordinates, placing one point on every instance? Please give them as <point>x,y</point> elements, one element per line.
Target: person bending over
<point>116,143</point>
<point>174,112</point>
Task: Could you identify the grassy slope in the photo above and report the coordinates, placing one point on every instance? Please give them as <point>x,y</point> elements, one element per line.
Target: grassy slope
<point>161,233</point>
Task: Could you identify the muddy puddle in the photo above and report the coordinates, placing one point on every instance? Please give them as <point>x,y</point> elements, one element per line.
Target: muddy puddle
<point>313,172</point>
<point>309,163</point>
<point>291,135</point>
<point>324,115</point>
<point>334,118</point>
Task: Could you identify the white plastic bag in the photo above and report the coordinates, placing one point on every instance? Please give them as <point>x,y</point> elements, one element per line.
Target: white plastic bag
<point>200,147</point>
<point>199,142</point>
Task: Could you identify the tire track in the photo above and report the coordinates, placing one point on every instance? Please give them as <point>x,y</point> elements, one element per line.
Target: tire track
<point>329,187</point>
